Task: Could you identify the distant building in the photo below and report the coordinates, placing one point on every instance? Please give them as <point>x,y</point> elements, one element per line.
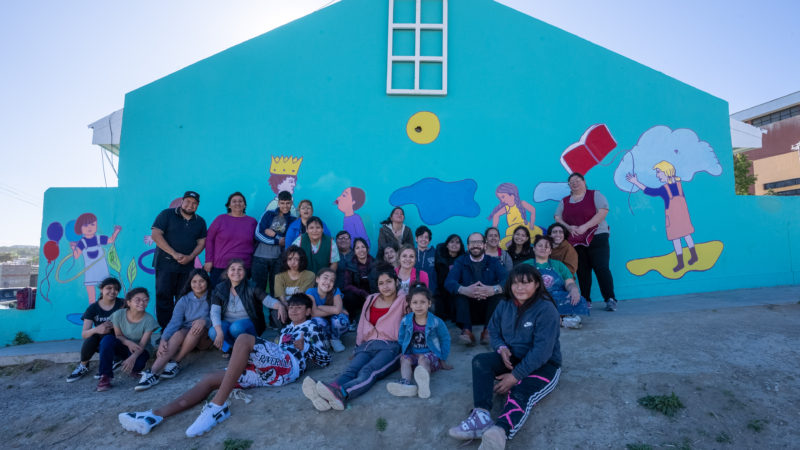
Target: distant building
<point>777,162</point>
<point>15,275</point>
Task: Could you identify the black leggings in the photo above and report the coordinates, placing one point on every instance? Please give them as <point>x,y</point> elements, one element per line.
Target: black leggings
<point>520,398</point>
<point>595,257</point>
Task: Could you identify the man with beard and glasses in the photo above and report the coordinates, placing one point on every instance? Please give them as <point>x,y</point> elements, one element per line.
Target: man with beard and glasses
<point>180,235</point>
<point>476,280</point>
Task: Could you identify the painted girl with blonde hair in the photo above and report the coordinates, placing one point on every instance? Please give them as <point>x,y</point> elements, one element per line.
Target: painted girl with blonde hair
<point>678,223</point>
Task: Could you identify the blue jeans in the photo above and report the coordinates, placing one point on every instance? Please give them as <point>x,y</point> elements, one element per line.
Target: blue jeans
<point>232,330</point>
<point>112,349</point>
<point>333,327</point>
<point>372,361</point>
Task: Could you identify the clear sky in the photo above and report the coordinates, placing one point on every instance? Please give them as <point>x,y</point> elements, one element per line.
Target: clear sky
<point>67,64</point>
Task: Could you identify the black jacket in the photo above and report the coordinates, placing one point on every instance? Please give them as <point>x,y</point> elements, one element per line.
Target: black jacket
<point>251,297</point>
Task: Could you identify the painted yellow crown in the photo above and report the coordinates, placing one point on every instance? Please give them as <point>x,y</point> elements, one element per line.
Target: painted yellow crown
<point>285,165</point>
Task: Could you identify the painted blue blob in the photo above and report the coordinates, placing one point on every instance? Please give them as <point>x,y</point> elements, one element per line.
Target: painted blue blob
<point>438,200</point>
<point>75,318</point>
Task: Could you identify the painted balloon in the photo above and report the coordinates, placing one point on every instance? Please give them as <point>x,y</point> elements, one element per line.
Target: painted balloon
<point>55,231</point>
<point>50,251</point>
<point>69,229</point>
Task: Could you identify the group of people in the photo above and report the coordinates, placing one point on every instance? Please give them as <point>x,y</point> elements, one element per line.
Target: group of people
<point>318,287</point>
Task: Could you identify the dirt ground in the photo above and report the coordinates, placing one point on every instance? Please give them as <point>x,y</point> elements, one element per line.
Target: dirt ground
<point>735,369</point>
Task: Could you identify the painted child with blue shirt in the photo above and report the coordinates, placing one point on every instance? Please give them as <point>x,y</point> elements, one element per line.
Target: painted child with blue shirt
<point>425,345</point>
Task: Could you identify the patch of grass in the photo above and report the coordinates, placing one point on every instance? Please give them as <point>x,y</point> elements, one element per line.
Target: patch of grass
<point>724,438</point>
<point>665,404</point>
<point>757,425</point>
<point>22,338</point>
<point>638,446</point>
<point>37,365</point>
<point>237,444</point>
<point>381,424</point>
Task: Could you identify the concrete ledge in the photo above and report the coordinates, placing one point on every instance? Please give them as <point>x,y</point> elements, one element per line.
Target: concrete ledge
<point>56,351</point>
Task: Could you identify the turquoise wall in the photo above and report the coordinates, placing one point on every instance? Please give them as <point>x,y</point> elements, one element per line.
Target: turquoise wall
<point>519,93</point>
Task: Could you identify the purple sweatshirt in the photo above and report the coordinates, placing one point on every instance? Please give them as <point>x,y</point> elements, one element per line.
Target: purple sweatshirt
<point>230,237</point>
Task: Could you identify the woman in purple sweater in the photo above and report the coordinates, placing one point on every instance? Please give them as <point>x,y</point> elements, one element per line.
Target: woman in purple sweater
<point>230,236</point>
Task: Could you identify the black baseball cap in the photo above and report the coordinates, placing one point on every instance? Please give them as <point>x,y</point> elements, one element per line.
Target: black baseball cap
<point>192,194</point>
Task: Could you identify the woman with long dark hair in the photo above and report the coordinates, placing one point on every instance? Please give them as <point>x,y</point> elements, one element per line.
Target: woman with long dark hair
<point>395,231</point>
<point>236,308</point>
<point>524,364</point>
<point>446,254</point>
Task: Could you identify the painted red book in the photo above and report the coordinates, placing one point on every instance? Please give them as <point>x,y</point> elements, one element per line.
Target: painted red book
<point>593,146</point>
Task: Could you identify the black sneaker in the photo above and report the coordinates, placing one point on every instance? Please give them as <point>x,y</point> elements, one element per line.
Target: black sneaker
<point>147,381</point>
<point>171,370</point>
<point>116,365</point>
<point>78,373</point>
<point>611,305</point>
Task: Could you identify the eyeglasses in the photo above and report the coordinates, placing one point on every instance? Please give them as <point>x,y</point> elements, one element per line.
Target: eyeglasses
<point>140,300</point>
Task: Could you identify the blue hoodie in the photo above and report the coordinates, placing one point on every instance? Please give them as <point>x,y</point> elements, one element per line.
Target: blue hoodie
<point>436,335</point>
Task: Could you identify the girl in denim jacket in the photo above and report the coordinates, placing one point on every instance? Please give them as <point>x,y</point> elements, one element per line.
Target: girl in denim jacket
<point>425,343</point>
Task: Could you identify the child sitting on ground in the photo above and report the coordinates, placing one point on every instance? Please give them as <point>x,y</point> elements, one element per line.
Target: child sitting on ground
<point>254,362</point>
<point>187,330</point>
<point>130,342</point>
<point>328,311</point>
<point>424,342</point>
<point>96,324</point>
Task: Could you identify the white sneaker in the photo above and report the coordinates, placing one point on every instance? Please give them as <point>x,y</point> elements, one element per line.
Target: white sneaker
<point>402,389</point>
<point>571,321</point>
<point>139,422</point>
<point>493,439</point>
<point>209,417</point>
<point>337,345</point>
<point>310,391</point>
<point>423,379</point>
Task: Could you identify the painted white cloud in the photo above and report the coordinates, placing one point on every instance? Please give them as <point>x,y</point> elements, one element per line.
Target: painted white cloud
<point>682,148</point>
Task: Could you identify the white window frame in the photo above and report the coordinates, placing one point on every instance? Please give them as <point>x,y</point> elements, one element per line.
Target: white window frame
<point>418,28</point>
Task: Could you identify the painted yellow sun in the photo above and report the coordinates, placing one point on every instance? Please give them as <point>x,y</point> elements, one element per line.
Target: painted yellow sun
<point>423,127</point>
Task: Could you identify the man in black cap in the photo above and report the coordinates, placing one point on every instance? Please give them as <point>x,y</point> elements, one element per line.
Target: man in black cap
<point>180,235</point>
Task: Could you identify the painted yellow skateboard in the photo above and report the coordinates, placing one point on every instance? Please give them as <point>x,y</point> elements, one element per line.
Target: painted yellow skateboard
<point>707,255</point>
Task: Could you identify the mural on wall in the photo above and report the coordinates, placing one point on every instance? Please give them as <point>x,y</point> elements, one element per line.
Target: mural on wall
<point>516,211</point>
<point>594,145</point>
<point>657,159</point>
<point>283,177</point>
<point>348,202</point>
<point>96,251</point>
<point>438,200</point>
<point>423,127</point>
